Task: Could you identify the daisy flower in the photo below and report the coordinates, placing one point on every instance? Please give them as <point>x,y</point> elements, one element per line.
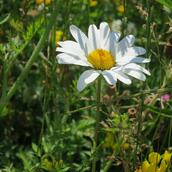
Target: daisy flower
<point>104,54</point>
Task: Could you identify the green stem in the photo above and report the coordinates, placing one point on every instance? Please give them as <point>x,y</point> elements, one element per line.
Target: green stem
<point>139,130</point>
<point>148,24</point>
<point>32,59</point>
<point>155,90</point>
<point>97,124</point>
<point>124,20</point>
<point>170,132</point>
<point>109,164</point>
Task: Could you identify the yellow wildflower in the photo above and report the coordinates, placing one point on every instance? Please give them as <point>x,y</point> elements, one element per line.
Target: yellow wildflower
<point>126,146</point>
<point>154,159</point>
<point>39,2</point>
<point>93,3</point>
<point>120,8</point>
<point>59,35</point>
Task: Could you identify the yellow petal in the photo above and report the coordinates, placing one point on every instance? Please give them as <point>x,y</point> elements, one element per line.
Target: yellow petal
<point>145,166</point>
<point>152,168</point>
<point>138,169</point>
<point>167,156</point>
<point>163,166</point>
<point>154,157</point>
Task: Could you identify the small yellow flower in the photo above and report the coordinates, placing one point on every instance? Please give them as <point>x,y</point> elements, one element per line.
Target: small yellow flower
<point>120,8</point>
<point>93,3</point>
<point>59,35</point>
<point>47,2</point>
<point>39,2</point>
<point>126,146</point>
<point>167,156</point>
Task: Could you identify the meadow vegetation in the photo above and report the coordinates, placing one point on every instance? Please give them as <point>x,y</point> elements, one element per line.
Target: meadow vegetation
<point>47,125</point>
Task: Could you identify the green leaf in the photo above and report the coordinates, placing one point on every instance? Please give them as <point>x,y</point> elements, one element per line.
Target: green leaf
<point>5,19</point>
<point>166,3</point>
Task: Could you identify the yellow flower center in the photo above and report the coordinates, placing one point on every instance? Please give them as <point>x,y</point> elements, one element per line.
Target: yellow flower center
<point>101,59</point>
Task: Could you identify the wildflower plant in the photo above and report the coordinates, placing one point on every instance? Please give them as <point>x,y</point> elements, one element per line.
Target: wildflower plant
<point>104,54</point>
<point>156,162</point>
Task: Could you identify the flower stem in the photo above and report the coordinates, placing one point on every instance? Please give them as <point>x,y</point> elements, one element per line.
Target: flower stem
<point>97,124</point>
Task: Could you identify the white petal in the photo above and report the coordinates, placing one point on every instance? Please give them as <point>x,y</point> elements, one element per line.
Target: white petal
<point>123,46</point>
<point>79,36</point>
<point>136,67</point>
<point>136,74</point>
<point>128,41</point>
<point>64,58</point>
<point>114,37</point>
<point>109,77</point>
<point>86,78</point>
<point>135,51</point>
<point>104,35</point>
<point>139,60</point>
<point>131,52</point>
<point>71,47</point>
<point>94,37</point>
<point>126,60</point>
<point>122,77</point>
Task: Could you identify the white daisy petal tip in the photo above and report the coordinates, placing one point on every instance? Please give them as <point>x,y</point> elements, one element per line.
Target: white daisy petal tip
<point>104,24</point>
<point>86,78</point>
<point>128,82</point>
<point>148,60</point>
<point>127,41</point>
<point>72,27</point>
<point>131,38</point>
<point>109,76</point>
<point>148,73</point>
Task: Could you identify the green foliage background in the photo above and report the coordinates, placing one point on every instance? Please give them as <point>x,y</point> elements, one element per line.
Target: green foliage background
<point>45,123</point>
